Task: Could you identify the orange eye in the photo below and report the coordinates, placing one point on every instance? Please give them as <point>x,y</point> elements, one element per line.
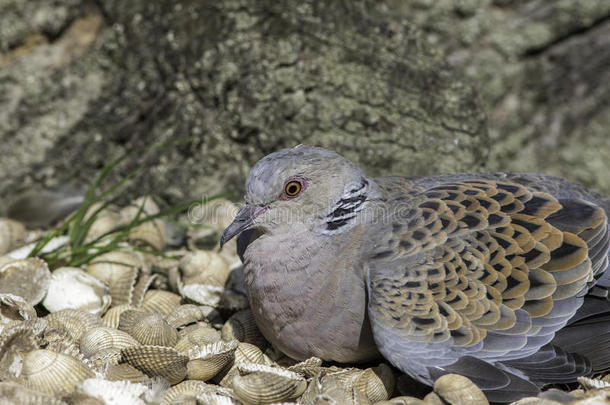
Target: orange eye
<point>293,188</point>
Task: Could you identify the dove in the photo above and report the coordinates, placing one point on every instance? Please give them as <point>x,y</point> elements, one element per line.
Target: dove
<point>499,277</point>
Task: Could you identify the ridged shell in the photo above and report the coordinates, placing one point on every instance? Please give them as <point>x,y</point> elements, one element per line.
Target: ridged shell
<point>184,315</point>
<point>114,392</point>
<point>72,288</point>
<point>106,220</point>
<point>124,371</point>
<point>376,383</point>
<point>13,393</point>
<point>403,401</point>
<point>202,293</point>
<point>103,358</point>
<point>12,235</point>
<point>216,399</point>
<point>204,267</point>
<point>74,321</point>
<point>148,328</point>
<point>242,326</point>
<point>19,338</point>
<point>119,270</point>
<point>161,302</point>
<point>207,361</point>
<point>150,233</point>
<point>191,389</point>
<point>112,317</point>
<point>265,385</point>
<point>14,308</point>
<point>103,338</point>
<point>459,390</point>
<point>157,361</point>
<point>52,373</point>
<point>249,353</point>
<point>329,389</point>
<point>199,335</point>
<point>28,278</point>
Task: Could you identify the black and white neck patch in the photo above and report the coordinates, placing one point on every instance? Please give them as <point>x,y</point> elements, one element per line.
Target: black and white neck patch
<point>346,208</point>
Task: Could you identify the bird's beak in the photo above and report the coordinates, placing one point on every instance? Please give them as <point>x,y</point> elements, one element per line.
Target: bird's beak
<point>243,220</point>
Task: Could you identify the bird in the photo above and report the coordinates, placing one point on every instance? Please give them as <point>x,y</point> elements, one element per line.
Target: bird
<point>497,276</point>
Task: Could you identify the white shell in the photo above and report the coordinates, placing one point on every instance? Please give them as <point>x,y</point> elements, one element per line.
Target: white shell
<point>72,288</point>
<point>27,278</point>
<point>114,392</point>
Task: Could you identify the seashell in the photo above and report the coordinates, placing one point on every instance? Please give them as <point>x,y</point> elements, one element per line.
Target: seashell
<point>405,400</point>
<point>158,361</point>
<point>457,390</point>
<point>59,340</point>
<point>200,334</point>
<point>161,302</point>
<point>28,278</point>
<point>103,358</point>
<point>376,383</point>
<point>127,372</point>
<point>592,383</point>
<point>207,361</point>
<point>13,393</point>
<point>204,267</point>
<point>107,219</point>
<point>82,399</point>
<point>52,373</point>
<point>113,315</point>
<point>184,315</point>
<point>264,384</point>
<point>19,338</point>
<point>308,368</point>
<point>74,321</point>
<point>190,390</point>
<point>216,399</point>
<point>119,270</point>
<point>72,288</point>
<point>113,392</point>
<point>14,308</point>
<point>148,328</point>
<point>144,283</point>
<point>332,390</point>
<point>202,293</point>
<point>150,233</point>
<point>242,326</point>
<point>248,353</point>
<point>12,235</point>
<point>102,338</point>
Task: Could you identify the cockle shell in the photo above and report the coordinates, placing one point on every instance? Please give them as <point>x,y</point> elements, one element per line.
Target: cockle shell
<point>264,385</point>
<point>12,234</point>
<point>197,335</point>
<point>207,361</point>
<point>52,373</point>
<point>191,389</point>
<point>15,340</point>
<point>113,315</point>
<point>161,302</point>
<point>150,233</point>
<point>184,315</point>
<point>148,328</point>
<point>14,308</point>
<point>203,276</point>
<point>158,361</point>
<point>404,400</point>
<point>72,288</point>
<point>242,326</point>
<point>106,220</point>
<point>60,341</point>
<point>127,372</point>
<point>28,278</point>
<point>103,338</point>
<point>119,270</point>
<point>459,390</point>
<point>376,383</point>
<point>74,321</point>
<point>324,390</point>
<point>13,393</point>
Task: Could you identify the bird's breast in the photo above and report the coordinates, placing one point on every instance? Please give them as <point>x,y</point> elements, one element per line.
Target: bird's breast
<point>307,299</point>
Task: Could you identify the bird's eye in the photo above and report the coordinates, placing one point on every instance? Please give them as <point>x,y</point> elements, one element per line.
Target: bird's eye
<point>292,188</point>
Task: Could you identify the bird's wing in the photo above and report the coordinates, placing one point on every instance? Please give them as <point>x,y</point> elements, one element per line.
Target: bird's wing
<point>483,270</point>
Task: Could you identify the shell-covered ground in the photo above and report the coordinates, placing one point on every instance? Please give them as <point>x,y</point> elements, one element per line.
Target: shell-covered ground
<point>164,319</point>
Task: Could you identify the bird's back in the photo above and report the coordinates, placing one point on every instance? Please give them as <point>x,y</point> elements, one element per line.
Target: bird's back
<point>481,274</point>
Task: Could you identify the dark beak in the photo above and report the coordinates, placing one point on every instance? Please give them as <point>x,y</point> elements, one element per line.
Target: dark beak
<point>243,220</point>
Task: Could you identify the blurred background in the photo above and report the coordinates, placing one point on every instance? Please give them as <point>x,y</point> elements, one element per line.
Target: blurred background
<point>197,91</point>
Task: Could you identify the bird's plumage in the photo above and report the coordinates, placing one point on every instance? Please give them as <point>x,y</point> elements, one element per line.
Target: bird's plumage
<point>495,276</point>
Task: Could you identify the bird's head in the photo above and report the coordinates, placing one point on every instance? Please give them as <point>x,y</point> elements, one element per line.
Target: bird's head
<point>301,187</point>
